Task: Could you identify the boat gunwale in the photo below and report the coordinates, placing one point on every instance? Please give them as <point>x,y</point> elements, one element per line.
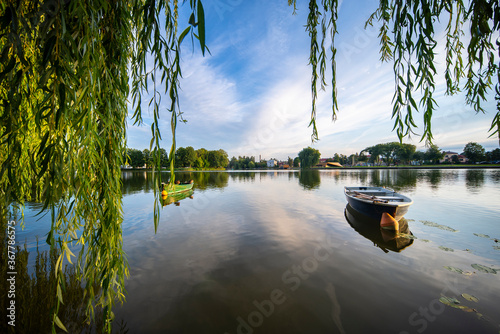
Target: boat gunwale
<point>407,201</point>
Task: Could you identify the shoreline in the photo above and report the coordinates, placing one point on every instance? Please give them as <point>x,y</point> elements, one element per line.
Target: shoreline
<point>321,168</point>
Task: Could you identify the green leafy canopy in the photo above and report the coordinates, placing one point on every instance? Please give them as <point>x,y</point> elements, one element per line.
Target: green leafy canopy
<point>67,69</point>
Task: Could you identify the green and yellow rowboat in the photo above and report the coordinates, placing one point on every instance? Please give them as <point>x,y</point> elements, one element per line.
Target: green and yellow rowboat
<point>167,190</point>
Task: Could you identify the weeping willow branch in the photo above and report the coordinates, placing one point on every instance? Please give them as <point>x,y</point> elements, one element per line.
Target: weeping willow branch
<point>412,49</point>
<point>318,53</point>
<point>64,75</point>
<point>65,68</point>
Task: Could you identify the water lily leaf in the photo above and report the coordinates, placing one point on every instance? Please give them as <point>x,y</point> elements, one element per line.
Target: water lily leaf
<point>466,308</point>
<point>453,302</point>
<point>482,235</point>
<point>453,269</point>
<point>450,301</point>
<point>424,240</point>
<point>441,227</point>
<point>484,269</point>
<point>470,297</point>
<point>446,249</point>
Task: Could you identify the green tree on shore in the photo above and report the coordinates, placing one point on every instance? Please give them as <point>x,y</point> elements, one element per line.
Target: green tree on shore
<point>185,157</point>
<point>493,155</point>
<point>405,152</point>
<point>135,158</point>
<point>309,157</point>
<point>433,154</point>
<point>474,152</point>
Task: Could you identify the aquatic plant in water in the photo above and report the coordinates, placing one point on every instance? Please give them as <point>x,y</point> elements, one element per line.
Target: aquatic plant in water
<point>441,227</point>
<point>453,302</point>
<point>470,297</point>
<point>483,268</point>
<point>457,270</point>
<point>454,269</point>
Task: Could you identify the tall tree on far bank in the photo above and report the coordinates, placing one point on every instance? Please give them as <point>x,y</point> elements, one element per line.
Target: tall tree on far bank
<point>185,157</point>
<point>135,158</point>
<point>309,157</point>
<point>493,155</point>
<point>474,152</point>
<point>405,152</point>
<point>434,154</point>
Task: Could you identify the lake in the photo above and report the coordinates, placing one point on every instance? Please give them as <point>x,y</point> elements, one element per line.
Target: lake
<point>279,252</point>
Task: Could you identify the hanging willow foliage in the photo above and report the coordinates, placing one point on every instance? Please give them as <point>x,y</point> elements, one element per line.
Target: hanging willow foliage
<point>64,84</point>
<point>318,55</point>
<point>65,70</point>
<point>407,37</point>
<point>413,49</point>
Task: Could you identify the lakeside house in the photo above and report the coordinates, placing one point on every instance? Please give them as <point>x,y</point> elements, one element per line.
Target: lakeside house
<point>272,163</point>
<point>448,157</point>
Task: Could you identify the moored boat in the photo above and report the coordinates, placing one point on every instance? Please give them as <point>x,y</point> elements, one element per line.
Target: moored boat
<point>375,201</point>
<point>177,188</point>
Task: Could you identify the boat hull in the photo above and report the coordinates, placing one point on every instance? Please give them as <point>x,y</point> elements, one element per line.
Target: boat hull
<point>375,211</point>
<point>374,208</point>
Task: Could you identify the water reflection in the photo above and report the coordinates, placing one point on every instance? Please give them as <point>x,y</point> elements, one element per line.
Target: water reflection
<point>175,199</point>
<point>370,229</point>
<point>398,179</point>
<point>142,181</point>
<point>433,177</point>
<point>495,176</point>
<point>392,178</point>
<point>474,179</point>
<point>206,180</point>
<point>309,179</point>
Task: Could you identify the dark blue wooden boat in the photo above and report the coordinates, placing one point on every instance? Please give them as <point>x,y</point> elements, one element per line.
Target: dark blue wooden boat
<point>374,201</point>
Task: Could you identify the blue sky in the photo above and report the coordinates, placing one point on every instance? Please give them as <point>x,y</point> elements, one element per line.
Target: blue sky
<point>252,95</point>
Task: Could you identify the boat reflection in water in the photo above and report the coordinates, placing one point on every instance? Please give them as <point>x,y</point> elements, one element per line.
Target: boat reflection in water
<point>176,198</point>
<point>384,239</point>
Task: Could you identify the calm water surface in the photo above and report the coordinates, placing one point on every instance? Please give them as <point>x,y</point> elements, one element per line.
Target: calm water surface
<point>277,252</point>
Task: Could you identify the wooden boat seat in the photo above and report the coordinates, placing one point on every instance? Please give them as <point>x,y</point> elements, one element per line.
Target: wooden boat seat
<point>391,198</point>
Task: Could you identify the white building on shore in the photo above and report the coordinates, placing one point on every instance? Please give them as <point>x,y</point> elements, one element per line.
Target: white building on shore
<point>272,163</point>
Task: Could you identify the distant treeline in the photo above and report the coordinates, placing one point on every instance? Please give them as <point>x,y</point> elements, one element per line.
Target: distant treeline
<point>396,153</point>
<point>184,157</point>
<point>386,153</point>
